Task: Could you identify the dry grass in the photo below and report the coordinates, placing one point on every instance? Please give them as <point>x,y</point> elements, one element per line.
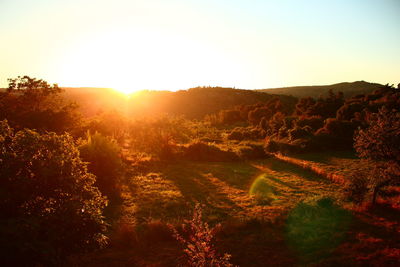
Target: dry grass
<point>252,201</point>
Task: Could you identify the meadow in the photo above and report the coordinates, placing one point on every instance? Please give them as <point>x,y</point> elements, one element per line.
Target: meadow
<point>250,179</point>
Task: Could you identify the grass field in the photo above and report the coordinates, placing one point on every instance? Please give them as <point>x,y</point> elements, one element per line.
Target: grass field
<point>272,213</point>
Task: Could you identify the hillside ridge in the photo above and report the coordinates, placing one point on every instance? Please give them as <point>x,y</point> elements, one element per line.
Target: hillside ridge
<point>348,88</point>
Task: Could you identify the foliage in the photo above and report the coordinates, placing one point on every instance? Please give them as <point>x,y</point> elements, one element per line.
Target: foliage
<point>196,103</point>
<point>251,151</point>
<point>326,123</point>
<point>49,207</point>
<point>104,157</point>
<point>159,136</point>
<point>324,107</point>
<point>201,151</point>
<point>246,133</point>
<point>315,122</point>
<point>300,132</point>
<point>337,133</point>
<point>112,124</point>
<point>381,142</point>
<point>199,249</point>
<point>357,187</point>
<point>33,103</point>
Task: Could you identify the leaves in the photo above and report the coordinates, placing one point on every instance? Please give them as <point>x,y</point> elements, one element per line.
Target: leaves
<point>48,194</point>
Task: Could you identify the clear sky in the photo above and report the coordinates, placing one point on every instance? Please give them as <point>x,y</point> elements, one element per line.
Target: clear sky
<point>177,44</point>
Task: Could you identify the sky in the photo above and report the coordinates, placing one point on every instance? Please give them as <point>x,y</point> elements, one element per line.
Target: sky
<point>178,44</point>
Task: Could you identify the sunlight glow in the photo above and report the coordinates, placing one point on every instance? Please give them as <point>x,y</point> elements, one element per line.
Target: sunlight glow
<point>137,62</point>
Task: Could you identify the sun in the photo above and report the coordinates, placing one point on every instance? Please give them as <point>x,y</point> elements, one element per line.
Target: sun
<point>125,90</point>
<point>144,60</point>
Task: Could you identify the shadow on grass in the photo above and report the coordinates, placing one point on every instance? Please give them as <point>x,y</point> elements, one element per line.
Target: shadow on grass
<point>372,240</point>
<point>284,167</point>
<point>279,181</point>
<point>314,230</point>
<point>189,179</point>
<point>325,157</point>
<point>255,243</point>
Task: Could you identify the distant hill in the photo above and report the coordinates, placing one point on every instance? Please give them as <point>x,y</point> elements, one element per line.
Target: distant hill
<point>349,89</point>
<point>193,103</point>
<point>93,100</point>
<point>197,102</point>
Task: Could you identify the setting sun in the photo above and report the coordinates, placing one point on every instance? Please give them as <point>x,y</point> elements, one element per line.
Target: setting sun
<point>128,63</point>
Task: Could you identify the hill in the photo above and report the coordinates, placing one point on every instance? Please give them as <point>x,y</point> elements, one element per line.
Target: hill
<point>349,89</point>
<point>193,103</point>
<point>197,102</point>
<point>92,100</point>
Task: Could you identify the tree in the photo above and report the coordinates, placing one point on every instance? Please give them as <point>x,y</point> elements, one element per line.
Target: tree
<point>380,142</point>
<point>35,104</point>
<point>49,207</point>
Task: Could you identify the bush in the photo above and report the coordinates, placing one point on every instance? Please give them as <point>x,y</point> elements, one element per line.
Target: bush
<point>160,136</point>
<point>357,187</point>
<point>112,124</point>
<point>255,116</point>
<point>251,151</point>
<point>198,247</point>
<point>315,122</point>
<point>249,133</point>
<point>298,133</point>
<point>337,134</point>
<point>235,134</point>
<point>49,206</point>
<point>103,155</point>
<point>273,146</point>
<point>199,151</point>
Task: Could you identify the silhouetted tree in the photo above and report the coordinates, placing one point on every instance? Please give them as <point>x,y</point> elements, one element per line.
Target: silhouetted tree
<point>35,104</point>
<point>49,207</point>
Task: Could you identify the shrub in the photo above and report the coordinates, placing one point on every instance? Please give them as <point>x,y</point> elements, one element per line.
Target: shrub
<point>256,115</point>
<point>235,134</point>
<point>112,124</point>
<point>315,122</point>
<point>198,246</point>
<point>273,146</point>
<point>338,134</point>
<point>357,187</point>
<point>229,116</point>
<point>251,151</point>
<point>160,136</point>
<point>297,133</point>
<point>49,206</point>
<point>103,155</point>
<point>249,133</point>
<point>200,151</point>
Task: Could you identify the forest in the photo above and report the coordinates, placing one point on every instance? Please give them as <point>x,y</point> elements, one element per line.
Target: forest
<point>208,176</point>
